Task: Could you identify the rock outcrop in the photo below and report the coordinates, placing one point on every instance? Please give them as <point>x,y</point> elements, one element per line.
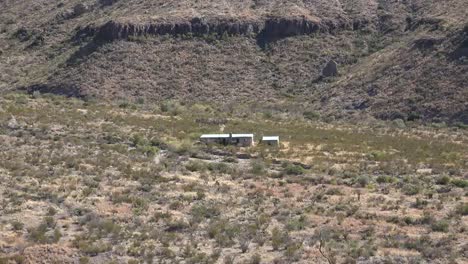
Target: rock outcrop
<point>113,30</point>
<point>331,69</point>
<point>268,30</point>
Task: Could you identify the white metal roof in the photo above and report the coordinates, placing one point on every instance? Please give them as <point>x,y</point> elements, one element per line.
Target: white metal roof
<point>271,138</point>
<point>227,136</point>
<point>215,136</point>
<point>242,135</point>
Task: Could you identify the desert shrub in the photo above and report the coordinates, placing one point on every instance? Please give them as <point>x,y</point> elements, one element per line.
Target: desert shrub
<point>127,105</point>
<point>462,209</point>
<point>231,160</point>
<point>244,243</point>
<point>279,238</point>
<point>420,203</point>
<point>377,156</point>
<point>363,181</point>
<point>202,211</point>
<point>84,260</point>
<point>267,115</point>
<point>255,259</point>
<point>410,189</point>
<point>143,145</point>
<point>385,179</point>
<point>440,226</point>
<point>175,205</point>
<point>311,115</point>
<point>49,221</point>
<point>293,251</point>
<point>161,215</point>
<point>149,151</point>
<point>200,195</point>
<point>443,180</point>
<point>184,148</point>
<point>39,234</point>
<point>229,259</point>
<point>36,95</point>
<point>138,139</point>
<point>19,259</point>
<point>195,165</point>
<point>17,225</point>
<point>298,223</point>
<point>172,107</point>
<point>101,227</point>
<point>460,183</point>
<point>89,247</point>
<point>257,167</point>
<point>292,169</point>
<point>223,232</point>
<point>333,191</point>
<point>51,211</point>
<point>219,167</point>
<point>176,226</point>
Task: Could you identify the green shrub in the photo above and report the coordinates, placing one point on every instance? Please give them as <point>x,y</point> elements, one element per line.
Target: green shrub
<point>410,189</point>
<point>223,232</point>
<point>38,234</point>
<point>311,115</point>
<point>385,179</point>
<point>296,223</point>
<point>138,140</point>
<point>91,248</point>
<point>255,259</point>
<point>462,209</point>
<point>17,225</point>
<point>201,211</point>
<point>460,183</point>
<point>377,155</point>
<point>51,211</point>
<point>219,167</point>
<point>257,167</point>
<point>440,226</point>
<point>363,181</point>
<point>195,165</point>
<point>149,151</point>
<point>443,180</point>
<point>279,238</point>
<point>292,169</point>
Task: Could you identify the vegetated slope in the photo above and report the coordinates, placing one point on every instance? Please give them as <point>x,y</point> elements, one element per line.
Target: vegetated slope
<point>403,59</point>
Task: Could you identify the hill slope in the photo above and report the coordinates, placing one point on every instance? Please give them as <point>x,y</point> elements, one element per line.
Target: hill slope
<point>397,59</point>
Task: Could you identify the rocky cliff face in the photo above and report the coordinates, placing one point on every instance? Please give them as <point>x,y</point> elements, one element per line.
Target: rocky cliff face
<point>267,30</point>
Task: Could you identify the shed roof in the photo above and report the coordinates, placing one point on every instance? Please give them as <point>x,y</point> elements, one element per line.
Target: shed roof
<point>242,135</point>
<point>227,136</point>
<point>271,138</point>
<point>215,136</point>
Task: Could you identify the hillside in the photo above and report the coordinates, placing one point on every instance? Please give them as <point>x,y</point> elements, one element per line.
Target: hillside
<point>397,59</point>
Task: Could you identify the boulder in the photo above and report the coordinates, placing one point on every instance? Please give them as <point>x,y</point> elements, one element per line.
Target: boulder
<point>331,69</point>
<point>107,2</point>
<point>12,123</point>
<point>80,9</point>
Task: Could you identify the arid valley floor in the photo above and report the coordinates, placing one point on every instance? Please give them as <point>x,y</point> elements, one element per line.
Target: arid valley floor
<point>94,182</point>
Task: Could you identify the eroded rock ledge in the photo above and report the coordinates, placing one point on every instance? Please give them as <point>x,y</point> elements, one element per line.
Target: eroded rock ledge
<point>267,30</point>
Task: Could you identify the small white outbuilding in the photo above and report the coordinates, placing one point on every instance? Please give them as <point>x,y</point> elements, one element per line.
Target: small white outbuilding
<point>271,140</point>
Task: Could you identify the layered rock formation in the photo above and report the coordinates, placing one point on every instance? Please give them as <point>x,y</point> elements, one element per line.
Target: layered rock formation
<point>267,30</point>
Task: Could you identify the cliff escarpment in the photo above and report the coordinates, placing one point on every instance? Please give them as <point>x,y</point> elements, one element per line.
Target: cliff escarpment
<point>264,30</point>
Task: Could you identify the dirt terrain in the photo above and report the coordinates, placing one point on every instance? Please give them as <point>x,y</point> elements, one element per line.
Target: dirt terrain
<point>93,182</point>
